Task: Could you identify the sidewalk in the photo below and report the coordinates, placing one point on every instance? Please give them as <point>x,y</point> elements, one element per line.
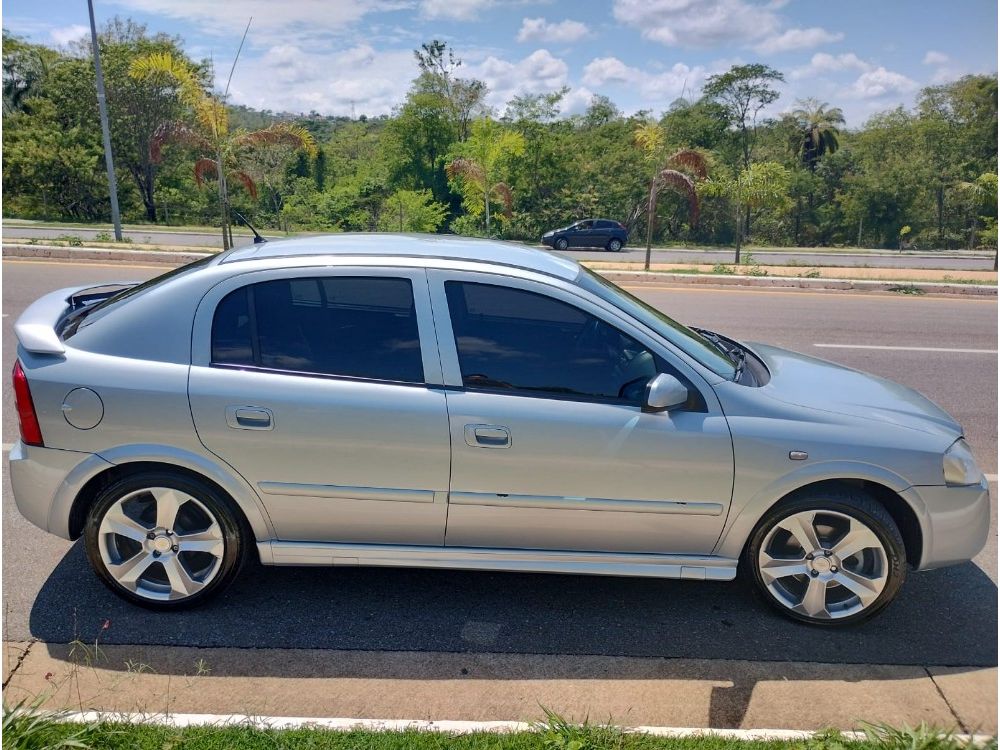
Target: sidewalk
<point>498,687</point>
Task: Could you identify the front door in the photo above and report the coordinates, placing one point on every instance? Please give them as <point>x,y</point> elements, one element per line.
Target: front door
<point>550,446</point>
<point>322,388</point>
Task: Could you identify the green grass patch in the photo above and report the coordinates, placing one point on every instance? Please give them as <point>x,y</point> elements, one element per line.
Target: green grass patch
<point>38,731</point>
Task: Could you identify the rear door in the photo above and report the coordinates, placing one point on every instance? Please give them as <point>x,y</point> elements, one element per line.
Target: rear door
<point>321,386</point>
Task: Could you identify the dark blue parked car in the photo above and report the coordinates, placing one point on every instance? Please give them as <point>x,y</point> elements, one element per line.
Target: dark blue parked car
<point>611,235</point>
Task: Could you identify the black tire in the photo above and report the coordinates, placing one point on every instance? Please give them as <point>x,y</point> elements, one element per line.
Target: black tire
<point>859,506</point>
<point>561,244</point>
<point>236,535</point>
<point>615,245</point>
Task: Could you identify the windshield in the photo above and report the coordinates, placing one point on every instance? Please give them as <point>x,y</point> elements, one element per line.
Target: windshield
<point>87,315</point>
<point>689,341</point>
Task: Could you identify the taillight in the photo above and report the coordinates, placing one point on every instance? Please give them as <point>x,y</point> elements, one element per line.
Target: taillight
<point>31,433</point>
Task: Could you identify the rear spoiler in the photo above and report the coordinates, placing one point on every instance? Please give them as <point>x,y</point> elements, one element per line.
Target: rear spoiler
<point>36,328</point>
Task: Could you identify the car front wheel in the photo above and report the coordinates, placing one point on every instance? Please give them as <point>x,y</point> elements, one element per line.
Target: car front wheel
<point>164,541</point>
<point>615,245</point>
<point>833,558</point>
<point>561,244</point>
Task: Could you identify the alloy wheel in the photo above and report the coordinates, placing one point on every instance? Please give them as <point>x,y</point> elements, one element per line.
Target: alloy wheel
<point>161,543</point>
<point>823,565</point>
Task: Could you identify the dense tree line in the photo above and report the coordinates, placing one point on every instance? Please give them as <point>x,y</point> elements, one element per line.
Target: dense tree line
<point>707,170</point>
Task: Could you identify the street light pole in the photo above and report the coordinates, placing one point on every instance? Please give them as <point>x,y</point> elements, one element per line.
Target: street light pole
<point>105,129</point>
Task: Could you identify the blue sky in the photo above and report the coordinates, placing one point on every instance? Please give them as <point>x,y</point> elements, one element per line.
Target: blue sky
<point>339,56</point>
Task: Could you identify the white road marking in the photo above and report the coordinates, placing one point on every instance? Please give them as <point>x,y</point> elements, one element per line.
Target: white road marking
<point>444,727</point>
<point>7,447</point>
<point>906,348</point>
<point>991,477</point>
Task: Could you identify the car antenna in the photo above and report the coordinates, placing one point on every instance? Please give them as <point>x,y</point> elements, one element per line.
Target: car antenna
<point>257,238</point>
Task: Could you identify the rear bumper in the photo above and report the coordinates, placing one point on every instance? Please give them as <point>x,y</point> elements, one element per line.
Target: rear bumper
<point>956,523</point>
<point>46,481</point>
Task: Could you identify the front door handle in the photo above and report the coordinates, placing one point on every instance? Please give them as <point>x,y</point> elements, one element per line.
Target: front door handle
<point>487,436</point>
<point>249,418</point>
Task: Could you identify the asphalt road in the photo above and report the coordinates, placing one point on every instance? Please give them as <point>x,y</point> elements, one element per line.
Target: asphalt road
<point>946,617</point>
<point>879,259</point>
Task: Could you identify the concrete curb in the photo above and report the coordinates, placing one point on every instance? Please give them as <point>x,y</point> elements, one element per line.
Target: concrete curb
<point>175,257</point>
<point>181,721</point>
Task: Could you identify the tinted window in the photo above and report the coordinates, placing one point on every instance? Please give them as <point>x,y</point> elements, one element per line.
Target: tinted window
<point>607,225</point>
<point>509,339</point>
<point>358,327</point>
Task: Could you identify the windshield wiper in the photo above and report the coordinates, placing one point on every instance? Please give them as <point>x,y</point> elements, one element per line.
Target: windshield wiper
<point>733,352</point>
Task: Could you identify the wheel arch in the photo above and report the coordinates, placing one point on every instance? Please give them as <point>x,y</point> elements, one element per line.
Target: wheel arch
<point>142,460</point>
<point>884,487</point>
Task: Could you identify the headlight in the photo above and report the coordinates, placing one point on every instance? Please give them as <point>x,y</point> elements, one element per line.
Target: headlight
<point>959,466</point>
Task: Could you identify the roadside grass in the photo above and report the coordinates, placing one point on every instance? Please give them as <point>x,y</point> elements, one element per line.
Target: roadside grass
<point>31,730</point>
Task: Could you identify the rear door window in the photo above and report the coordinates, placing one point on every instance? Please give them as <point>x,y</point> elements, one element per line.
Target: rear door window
<point>363,327</point>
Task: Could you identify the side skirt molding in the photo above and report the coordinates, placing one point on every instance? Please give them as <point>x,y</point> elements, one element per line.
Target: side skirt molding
<point>693,567</point>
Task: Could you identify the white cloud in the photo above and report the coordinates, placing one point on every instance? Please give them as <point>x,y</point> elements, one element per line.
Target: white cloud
<point>711,23</point>
<point>359,80</point>
<point>881,82</point>
<point>823,63</point>
<point>576,101</point>
<point>933,57</point>
<point>540,30</point>
<point>660,87</point>
<point>697,23</point>
<point>539,73</point>
<point>459,10</point>
<point>66,34</point>
<point>794,39</point>
<point>273,22</point>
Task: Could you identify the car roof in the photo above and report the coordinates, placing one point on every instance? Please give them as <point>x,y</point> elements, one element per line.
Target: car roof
<point>422,246</point>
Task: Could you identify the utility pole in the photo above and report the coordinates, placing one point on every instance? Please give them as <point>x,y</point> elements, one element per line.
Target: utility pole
<point>102,105</point>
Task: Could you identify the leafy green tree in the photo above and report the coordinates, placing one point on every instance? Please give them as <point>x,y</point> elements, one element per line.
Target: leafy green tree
<point>761,185</point>
<point>25,68</point>
<point>743,91</point>
<point>438,75</point>
<point>412,211</point>
<point>480,166</point>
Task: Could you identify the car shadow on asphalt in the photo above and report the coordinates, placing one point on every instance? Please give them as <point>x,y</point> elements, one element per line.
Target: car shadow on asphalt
<point>942,617</point>
<point>946,617</point>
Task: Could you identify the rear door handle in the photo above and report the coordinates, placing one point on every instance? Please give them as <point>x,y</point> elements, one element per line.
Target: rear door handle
<point>249,418</point>
<point>487,436</point>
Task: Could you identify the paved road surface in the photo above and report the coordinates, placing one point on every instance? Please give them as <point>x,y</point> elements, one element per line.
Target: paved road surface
<point>944,617</point>
<point>630,254</point>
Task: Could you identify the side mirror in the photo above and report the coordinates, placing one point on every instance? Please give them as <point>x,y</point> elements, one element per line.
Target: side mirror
<point>664,392</point>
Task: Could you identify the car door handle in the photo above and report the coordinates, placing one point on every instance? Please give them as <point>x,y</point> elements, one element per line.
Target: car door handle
<point>487,436</point>
<point>249,418</point>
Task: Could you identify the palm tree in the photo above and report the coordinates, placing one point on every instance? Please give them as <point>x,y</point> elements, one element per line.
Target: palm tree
<point>818,124</point>
<point>487,152</point>
<point>678,172</point>
<point>220,149</point>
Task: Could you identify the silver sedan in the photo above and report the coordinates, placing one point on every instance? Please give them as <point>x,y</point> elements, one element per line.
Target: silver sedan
<point>424,401</point>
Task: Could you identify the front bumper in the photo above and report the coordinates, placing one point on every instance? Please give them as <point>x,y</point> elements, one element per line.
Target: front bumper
<point>549,241</point>
<point>955,522</point>
<point>46,481</point>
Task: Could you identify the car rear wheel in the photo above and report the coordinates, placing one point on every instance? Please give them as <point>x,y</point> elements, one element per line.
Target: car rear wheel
<point>561,244</point>
<point>615,245</point>
<point>832,558</point>
<point>164,541</point>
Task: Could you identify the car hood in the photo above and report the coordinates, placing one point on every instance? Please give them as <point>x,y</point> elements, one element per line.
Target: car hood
<point>817,384</point>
